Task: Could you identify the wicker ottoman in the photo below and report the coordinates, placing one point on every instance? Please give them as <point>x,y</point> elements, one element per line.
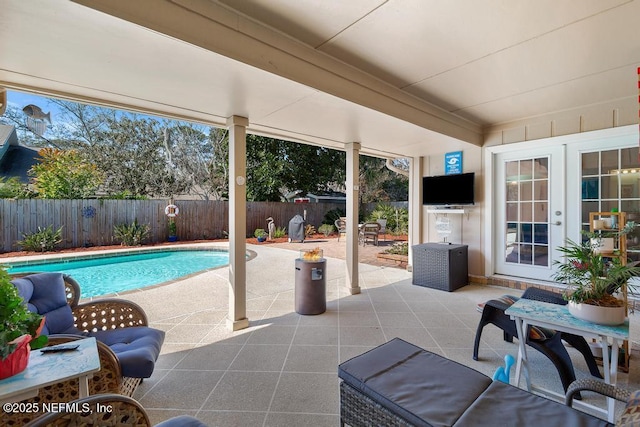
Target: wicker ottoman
<point>400,384</point>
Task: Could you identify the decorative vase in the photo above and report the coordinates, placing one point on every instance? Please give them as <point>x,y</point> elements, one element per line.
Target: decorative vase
<point>261,239</point>
<point>17,361</point>
<point>610,316</point>
<point>172,239</point>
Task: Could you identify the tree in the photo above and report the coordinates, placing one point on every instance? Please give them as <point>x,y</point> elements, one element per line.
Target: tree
<point>201,159</point>
<point>218,168</point>
<point>64,174</point>
<point>133,154</point>
<point>146,156</point>
<point>12,188</point>
<point>276,167</point>
<point>379,184</point>
<point>312,169</point>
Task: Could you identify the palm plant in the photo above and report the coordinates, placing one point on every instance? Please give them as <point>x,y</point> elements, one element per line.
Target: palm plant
<point>591,277</point>
<point>131,234</point>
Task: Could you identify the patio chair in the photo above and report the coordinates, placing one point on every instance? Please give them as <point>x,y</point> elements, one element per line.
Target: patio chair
<point>546,341</point>
<point>341,225</point>
<point>629,417</point>
<point>127,346</point>
<point>383,228</point>
<point>369,232</point>
<point>122,411</point>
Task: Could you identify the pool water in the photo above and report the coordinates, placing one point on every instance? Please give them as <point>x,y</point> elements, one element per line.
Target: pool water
<point>107,275</point>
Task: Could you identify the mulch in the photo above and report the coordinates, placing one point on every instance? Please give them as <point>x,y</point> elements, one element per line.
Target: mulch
<point>251,240</point>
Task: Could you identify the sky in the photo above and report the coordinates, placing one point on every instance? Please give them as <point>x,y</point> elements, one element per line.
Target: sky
<point>21,100</point>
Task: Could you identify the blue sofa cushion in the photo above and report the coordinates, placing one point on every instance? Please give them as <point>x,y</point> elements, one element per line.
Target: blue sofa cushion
<point>45,295</point>
<point>137,348</point>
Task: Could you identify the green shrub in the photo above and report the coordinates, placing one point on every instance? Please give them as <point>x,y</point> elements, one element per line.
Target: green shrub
<point>260,233</point>
<point>125,195</point>
<point>397,218</point>
<point>309,230</point>
<point>131,234</point>
<point>12,188</point>
<point>43,240</point>
<point>326,229</point>
<point>279,232</point>
<point>399,248</point>
<point>331,216</point>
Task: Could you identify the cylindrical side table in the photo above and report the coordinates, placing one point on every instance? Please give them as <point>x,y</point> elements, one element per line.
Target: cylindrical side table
<point>310,287</point>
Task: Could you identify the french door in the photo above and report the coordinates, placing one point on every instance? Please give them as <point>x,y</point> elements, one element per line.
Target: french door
<point>529,220</point>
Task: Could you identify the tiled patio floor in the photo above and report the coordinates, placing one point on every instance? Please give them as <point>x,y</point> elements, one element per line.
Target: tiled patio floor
<point>282,370</point>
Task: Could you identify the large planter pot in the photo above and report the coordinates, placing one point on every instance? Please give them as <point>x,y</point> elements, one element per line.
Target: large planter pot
<point>597,314</point>
<point>17,361</point>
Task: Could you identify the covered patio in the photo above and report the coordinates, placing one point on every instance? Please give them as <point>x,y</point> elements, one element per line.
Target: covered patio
<point>282,369</point>
<point>388,78</point>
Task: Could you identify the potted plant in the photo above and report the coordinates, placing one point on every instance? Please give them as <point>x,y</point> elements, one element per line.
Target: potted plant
<point>593,280</point>
<point>172,211</point>
<point>19,329</point>
<point>260,234</point>
<point>173,236</point>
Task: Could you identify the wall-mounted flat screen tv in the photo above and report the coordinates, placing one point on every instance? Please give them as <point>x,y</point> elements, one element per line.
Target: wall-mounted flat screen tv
<point>449,190</point>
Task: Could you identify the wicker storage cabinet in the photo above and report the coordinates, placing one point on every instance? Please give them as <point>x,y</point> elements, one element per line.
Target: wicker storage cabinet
<point>440,266</point>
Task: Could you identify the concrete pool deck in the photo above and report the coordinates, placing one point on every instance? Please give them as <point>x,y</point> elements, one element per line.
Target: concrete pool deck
<point>282,370</point>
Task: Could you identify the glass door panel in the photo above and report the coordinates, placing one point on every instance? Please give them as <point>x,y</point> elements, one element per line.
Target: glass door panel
<point>523,209</point>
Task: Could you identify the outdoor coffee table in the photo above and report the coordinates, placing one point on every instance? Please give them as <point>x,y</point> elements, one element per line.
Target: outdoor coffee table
<point>50,368</point>
<point>526,312</point>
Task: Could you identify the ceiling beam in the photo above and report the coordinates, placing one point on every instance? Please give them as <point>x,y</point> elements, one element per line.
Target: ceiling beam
<point>218,29</point>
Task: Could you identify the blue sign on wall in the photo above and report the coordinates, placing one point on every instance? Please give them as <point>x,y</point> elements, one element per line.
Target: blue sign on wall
<point>453,163</point>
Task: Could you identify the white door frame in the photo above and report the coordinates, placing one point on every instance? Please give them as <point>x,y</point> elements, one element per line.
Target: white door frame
<point>623,136</point>
<point>555,215</point>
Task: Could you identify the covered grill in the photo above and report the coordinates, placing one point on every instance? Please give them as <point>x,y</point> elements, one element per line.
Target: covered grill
<point>296,229</point>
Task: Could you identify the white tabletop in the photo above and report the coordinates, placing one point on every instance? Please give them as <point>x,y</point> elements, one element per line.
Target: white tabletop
<point>556,316</point>
<point>50,368</point>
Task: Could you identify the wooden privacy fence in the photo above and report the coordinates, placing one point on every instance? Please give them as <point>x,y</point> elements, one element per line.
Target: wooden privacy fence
<point>90,222</point>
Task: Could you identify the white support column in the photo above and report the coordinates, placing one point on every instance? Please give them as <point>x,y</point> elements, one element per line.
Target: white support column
<point>415,205</point>
<point>353,188</point>
<point>237,318</point>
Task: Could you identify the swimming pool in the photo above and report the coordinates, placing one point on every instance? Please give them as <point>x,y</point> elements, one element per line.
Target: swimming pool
<point>122,272</point>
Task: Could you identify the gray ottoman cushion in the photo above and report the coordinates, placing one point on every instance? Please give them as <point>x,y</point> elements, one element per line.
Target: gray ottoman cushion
<point>422,387</point>
<point>426,389</point>
<point>505,405</point>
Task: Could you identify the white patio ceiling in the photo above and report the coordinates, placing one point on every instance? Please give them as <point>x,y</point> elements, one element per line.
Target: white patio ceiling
<point>403,77</point>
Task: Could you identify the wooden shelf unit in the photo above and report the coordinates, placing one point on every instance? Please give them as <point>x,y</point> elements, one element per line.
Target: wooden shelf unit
<point>618,222</point>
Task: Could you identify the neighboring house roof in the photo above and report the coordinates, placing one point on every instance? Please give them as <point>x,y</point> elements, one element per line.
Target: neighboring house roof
<point>328,196</point>
<point>15,159</point>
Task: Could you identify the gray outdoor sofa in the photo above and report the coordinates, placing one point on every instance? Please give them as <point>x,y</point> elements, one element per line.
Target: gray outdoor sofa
<point>400,384</point>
